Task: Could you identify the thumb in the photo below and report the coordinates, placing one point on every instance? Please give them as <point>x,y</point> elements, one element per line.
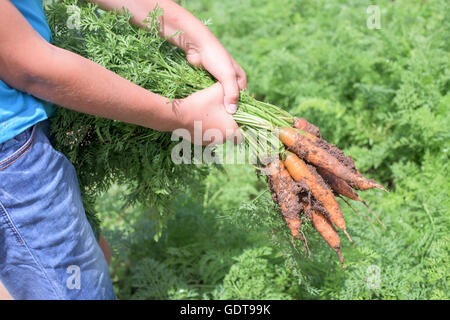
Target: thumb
<point>231,93</point>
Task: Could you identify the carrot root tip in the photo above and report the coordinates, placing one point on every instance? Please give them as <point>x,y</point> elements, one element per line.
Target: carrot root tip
<point>341,258</point>
<point>379,186</point>
<point>367,206</point>
<point>348,236</point>
<point>364,217</point>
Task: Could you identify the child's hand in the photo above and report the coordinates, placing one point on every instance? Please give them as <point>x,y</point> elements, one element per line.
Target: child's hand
<point>212,122</point>
<point>212,56</point>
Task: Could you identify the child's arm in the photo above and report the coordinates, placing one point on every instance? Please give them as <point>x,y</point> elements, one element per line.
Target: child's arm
<point>200,45</point>
<point>30,64</point>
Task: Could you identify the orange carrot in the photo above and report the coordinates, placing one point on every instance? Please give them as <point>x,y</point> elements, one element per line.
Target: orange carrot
<point>313,134</point>
<point>294,225</point>
<point>326,230</point>
<point>301,172</point>
<point>285,192</point>
<point>303,124</point>
<point>341,187</point>
<point>305,148</point>
<point>337,184</point>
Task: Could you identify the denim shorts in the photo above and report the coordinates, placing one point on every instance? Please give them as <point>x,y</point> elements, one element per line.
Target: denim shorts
<point>48,249</point>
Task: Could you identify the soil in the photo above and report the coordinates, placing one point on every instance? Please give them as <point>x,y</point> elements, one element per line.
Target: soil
<point>303,124</point>
<point>285,193</point>
<point>337,153</point>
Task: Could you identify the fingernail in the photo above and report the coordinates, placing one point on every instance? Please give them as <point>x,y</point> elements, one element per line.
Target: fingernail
<point>231,108</point>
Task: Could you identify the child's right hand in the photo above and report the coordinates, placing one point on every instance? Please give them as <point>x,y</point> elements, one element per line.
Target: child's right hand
<point>206,107</point>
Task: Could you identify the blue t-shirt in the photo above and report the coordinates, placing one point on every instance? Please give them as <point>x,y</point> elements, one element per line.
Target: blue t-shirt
<point>19,110</point>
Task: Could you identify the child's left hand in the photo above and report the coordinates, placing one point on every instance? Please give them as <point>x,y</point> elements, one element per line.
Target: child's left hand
<point>216,60</point>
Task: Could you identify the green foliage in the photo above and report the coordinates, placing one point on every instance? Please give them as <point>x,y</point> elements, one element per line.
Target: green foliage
<point>202,255</point>
<point>257,274</point>
<point>381,95</point>
<point>106,151</point>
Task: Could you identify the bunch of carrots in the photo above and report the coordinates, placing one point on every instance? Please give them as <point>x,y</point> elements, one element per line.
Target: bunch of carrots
<point>307,175</point>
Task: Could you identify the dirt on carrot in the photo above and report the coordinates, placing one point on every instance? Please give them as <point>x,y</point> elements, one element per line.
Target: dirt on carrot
<point>337,153</point>
<point>342,188</point>
<point>303,172</point>
<point>338,185</point>
<point>285,193</point>
<point>319,157</point>
<point>304,125</point>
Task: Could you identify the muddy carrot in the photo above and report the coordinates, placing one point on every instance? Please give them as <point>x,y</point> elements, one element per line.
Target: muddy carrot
<point>285,192</point>
<point>301,172</point>
<point>338,185</point>
<point>312,133</point>
<point>341,187</point>
<point>303,124</point>
<point>306,149</point>
<point>326,230</point>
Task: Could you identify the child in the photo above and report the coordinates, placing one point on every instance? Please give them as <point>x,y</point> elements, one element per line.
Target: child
<point>47,248</point>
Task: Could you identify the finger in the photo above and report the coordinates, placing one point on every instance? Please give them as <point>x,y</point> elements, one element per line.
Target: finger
<point>240,75</point>
<point>232,132</point>
<point>193,57</point>
<point>231,92</point>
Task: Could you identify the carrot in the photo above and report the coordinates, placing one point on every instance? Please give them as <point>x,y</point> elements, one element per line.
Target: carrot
<point>305,148</point>
<point>285,192</point>
<point>338,185</point>
<point>341,187</point>
<point>294,225</point>
<point>303,124</point>
<point>301,172</point>
<point>326,230</point>
<point>312,133</point>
